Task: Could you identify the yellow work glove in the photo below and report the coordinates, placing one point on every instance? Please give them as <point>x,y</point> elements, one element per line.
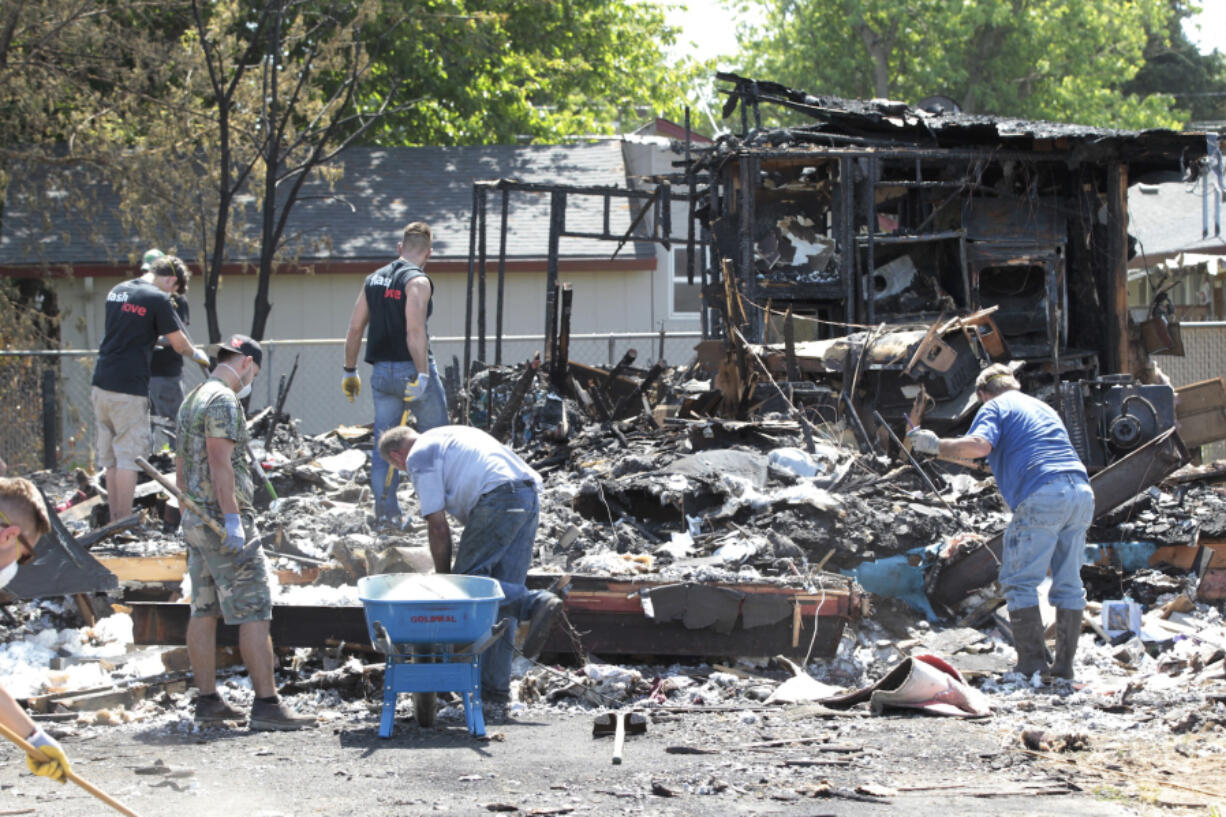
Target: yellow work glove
<point>200,356</point>
<point>415,388</point>
<point>351,384</point>
<point>57,767</point>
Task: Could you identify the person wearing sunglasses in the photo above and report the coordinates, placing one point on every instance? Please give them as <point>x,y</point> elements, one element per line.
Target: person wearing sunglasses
<point>23,521</point>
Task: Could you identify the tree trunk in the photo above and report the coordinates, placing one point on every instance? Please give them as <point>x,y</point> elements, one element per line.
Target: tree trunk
<point>878,46</point>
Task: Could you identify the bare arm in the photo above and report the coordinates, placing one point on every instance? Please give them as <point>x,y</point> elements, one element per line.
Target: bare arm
<point>13,716</point>
<point>416,304</point>
<point>967,448</point>
<point>180,483</point>
<point>439,534</point>
<point>221,469</point>
<point>179,342</point>
<point>357,325</point>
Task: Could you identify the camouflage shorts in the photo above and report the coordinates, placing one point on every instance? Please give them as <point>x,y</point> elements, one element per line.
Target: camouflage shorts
<point>236,587</point>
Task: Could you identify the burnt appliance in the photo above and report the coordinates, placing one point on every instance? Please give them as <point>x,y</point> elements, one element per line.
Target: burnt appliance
<point>1112,416</point>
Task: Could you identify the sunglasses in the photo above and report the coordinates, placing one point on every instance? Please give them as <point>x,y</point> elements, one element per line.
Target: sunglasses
<point>28,553</point>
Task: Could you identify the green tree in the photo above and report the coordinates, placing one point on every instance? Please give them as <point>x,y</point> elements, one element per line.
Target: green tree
<point>502,71</point>
<point>1045,59</point>
<point>1174,65</point>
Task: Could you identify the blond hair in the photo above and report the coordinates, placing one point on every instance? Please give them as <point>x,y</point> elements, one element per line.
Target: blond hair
<point>417,238</point>
<point>996,379</point>
<point>22,503</point>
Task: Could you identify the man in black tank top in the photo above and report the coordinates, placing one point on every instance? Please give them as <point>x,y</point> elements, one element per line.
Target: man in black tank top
<point>395,302</point>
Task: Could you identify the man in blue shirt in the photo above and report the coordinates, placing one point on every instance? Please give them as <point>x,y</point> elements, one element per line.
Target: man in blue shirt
<point>465,472</point>
<point>1045,484</point>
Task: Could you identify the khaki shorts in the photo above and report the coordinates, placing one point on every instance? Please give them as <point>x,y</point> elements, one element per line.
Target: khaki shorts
<point>122,422</point>
<point>234,586</point>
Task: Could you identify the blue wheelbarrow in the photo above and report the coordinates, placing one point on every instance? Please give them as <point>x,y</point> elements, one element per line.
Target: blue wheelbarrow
<point>433,629</point>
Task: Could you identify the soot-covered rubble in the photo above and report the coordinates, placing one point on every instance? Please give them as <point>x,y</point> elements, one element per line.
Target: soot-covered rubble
<point>672,497</point>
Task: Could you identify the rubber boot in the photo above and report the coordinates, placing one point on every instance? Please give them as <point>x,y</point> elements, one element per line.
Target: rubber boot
<point>1028,641</point>
<point>1068,633</point>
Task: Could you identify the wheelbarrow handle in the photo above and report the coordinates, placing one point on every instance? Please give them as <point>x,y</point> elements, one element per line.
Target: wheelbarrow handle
<point>383,642</point>
<point>486,641</point>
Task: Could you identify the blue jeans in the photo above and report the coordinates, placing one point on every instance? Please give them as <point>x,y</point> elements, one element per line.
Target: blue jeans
<point>497,542</point>
<point>430,410</point>
<point>1048,529</point>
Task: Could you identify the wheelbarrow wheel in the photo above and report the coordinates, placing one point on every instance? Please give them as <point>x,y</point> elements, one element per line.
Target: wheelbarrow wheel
<point>425,708</point>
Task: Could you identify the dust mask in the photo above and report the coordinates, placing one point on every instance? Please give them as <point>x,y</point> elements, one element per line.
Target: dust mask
<point>7,573</point>
<point>243,392</point>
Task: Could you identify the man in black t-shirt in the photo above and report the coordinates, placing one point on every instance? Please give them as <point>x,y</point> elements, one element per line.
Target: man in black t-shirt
<point>137,313</point>
<point>166,365</point>
<point>396,301</point>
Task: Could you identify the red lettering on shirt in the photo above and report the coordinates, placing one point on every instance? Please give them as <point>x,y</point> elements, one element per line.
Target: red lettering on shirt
<point>139,310</point>
<point>392,293</point>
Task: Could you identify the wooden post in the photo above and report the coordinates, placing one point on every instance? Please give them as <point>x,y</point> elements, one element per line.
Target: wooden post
<point>562,362</point>
<point>1117,270</point>
<point>468,300</point>
<point>502,275</point>
<point>557,223</point>
<point>481,231</point>
<point>789,346</point>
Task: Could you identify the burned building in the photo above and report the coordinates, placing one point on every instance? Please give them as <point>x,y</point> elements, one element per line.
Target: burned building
<point>905,248</point>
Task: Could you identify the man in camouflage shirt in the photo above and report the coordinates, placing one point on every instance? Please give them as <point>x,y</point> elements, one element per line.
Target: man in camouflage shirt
<point>229,575</point>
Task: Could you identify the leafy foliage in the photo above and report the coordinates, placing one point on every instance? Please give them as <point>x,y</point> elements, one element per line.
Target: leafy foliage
<point>1045,59</point>
<point>1174,66</point>
<point>501,71</point>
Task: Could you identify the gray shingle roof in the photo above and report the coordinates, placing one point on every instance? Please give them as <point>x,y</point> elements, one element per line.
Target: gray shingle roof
<point>382,190</point>
<point>1166,219</point>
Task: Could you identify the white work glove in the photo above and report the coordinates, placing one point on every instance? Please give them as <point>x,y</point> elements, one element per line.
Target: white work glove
<point>416,387</point>
<point>57,765</point>
<point>235,539</point>
<point>351,384</point>
<point>200,356</point>
<point>924,441</point>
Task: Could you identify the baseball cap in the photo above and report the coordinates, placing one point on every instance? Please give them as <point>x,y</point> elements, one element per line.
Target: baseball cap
<point>149,258</point>
<point>246,346</point>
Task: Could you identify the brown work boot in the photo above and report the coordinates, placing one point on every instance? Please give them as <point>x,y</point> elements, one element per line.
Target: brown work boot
<point>213,708</point>
<point>1068,633</point>
<point>1028,628</point>
<point>271,715</point>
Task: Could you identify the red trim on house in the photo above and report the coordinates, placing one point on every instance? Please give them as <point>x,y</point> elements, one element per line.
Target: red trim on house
<point>446,266</point>
<point>672,130</point>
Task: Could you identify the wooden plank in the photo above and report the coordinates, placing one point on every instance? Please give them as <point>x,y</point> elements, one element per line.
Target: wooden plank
<point>607,621</point>
<point>81,510</point>
<point>153,569</point>
<point>146,568</point>
<point>1200,410</point>
<point>1204,395</point>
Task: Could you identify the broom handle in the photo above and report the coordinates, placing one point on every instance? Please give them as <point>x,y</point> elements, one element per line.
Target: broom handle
<point>184,500</point>
<point>39,757</point>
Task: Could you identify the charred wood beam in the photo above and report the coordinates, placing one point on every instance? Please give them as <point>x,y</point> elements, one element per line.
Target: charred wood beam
<point>502,425</point>
<point>1117,269</point>
<point>468,297</point>
<point>502,278</point>
<point>634,397</point>
<point>606,388</point>
<point>481,232</point>
<point>557,223</point>
<point>560,368</point>
<point>605,616</point>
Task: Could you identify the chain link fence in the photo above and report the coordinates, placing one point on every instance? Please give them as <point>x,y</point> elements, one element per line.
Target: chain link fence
<point>50,423</point>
